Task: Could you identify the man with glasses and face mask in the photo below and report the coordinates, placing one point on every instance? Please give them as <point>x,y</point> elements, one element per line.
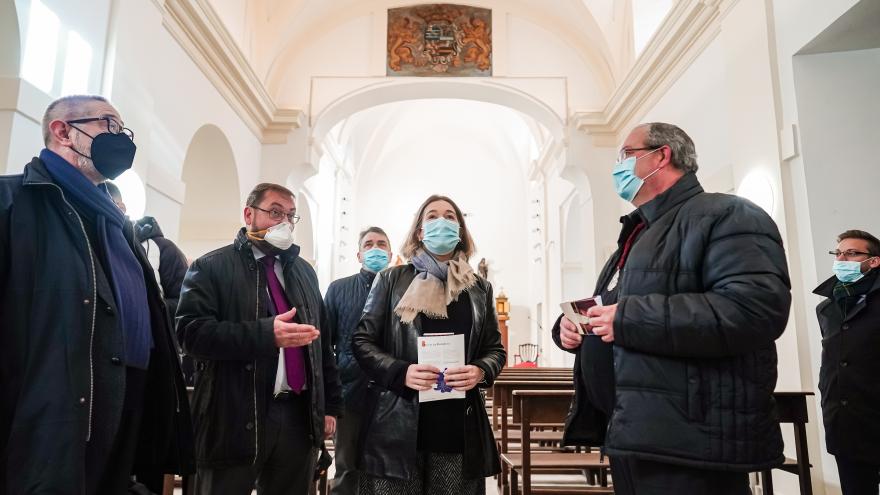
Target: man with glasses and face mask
<point>677,376</point>
<point>90,386</point>
<point>848,380</point>
<point>266,387</point>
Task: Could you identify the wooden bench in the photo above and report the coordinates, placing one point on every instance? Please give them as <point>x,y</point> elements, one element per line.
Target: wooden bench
<point>533,407</point>
<point>792,408</point>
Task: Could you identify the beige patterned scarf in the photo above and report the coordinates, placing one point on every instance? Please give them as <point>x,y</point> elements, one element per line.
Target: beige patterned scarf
<point>437,284</point>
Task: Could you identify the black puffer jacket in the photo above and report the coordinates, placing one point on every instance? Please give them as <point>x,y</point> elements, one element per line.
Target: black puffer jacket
<point>385,347</point>
<point>704,294</point>
<point>344,303</point>
<point>849,379</point>
<point>222,322</point>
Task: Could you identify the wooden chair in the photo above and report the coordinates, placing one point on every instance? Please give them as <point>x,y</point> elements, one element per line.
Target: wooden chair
<point>792,408</point>
<point>528,353</point>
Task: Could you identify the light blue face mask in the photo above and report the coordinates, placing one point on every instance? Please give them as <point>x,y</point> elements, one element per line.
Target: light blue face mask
<point>626,182</point>
<point>849,271</point>
<point>441,236</point>
<point>376,259</point>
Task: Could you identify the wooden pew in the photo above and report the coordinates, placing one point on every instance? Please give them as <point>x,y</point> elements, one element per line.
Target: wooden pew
<point>533,407</point>
<point>792,408</point>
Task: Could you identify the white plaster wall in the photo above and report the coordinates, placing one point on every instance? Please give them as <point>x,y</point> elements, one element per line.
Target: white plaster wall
<point>166,107</point>
<point>536,51</point>
<point>356,47</point>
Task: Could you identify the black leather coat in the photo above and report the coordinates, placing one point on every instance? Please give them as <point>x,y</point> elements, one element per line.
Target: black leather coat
<point>849,379</point>
<point>385,347</point>
<point>703,296</point>
<point>222,322</point>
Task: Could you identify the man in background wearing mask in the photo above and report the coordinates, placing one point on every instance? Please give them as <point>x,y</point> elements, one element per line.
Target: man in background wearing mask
<point>850,321</point>
<point>344,302</point>
<point>694,298</point>
<point>90,386</point>
<point>266,387</point>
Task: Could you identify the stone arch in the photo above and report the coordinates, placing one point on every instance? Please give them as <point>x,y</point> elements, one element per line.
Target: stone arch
<point>10,40</point>
<point>305,229</point>
<point>212,209</point>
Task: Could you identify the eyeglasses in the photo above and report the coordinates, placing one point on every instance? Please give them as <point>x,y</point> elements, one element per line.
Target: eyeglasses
<point>276,214</point>
<point>113,126</point>
<point>849,253</point>
<point>625,151</point>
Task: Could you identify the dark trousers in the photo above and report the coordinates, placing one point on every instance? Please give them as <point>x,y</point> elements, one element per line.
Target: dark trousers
<point>108,471</point>
<point>639,477</point>
<point>345,444</point>
<point>285,463</point>
<point>856,477</point>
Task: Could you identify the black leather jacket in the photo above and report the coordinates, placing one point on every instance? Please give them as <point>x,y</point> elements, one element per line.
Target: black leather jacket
<point>385,347</point>
<point>222,322</point>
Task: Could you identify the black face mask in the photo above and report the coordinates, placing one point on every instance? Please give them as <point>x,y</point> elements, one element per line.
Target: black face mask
<point>112,154</point>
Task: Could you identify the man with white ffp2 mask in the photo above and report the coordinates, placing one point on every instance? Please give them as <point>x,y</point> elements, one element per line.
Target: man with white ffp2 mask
<point>251,316</point>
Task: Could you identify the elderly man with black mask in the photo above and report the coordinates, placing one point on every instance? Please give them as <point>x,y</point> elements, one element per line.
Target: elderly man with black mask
<point>90,382</point>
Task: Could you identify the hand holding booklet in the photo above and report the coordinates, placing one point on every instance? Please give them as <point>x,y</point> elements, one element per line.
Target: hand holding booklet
<point>443,350</point>
<point>576,312</point>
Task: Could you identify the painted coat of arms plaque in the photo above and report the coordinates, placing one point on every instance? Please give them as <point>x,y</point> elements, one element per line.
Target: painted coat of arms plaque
<point>439,40</point>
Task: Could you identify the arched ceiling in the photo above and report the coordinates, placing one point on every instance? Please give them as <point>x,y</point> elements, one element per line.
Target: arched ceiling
<point>384,133</point>
<point>274,31</point>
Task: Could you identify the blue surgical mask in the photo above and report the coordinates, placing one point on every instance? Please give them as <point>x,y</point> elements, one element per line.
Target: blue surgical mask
<point>376,259</point>
<point>626,181</point>
<point>441,236</point>
<point>848,271</point>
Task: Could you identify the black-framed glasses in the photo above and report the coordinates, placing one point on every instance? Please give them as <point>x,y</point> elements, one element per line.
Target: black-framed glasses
<point>276,214</point>
<point>849,253</point>
<point>621,156</point>
<point>113,125</point>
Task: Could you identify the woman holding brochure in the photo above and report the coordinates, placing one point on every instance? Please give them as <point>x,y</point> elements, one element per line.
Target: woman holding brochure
<point>414,443</point>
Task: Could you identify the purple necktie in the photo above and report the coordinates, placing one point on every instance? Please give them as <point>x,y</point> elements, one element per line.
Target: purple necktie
<point>294,364</point>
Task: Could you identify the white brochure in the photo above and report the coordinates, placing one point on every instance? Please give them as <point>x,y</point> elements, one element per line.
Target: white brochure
<point>443,350</point>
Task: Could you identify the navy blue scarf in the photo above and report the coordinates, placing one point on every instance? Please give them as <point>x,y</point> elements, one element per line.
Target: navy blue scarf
<point>127,276</point>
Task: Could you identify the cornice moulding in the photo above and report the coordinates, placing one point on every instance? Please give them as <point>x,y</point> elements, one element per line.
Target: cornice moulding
<point>202,35</point>
<point>683,35</point>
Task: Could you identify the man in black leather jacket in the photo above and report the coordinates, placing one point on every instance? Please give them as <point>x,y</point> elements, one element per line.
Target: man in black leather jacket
<point>344,303</point>
<point>694,299</point>
<point>266,388</point>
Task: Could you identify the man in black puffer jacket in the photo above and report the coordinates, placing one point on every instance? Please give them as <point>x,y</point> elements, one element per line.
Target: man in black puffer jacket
<point>695,297</point>
<point>344,303</point>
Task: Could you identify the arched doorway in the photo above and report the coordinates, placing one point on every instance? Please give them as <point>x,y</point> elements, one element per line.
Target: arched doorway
<point>482,144</point>
<point>10,40</point>
<point>212,209</point>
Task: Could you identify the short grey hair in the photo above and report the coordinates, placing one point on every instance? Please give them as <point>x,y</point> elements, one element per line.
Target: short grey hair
<point>684,155</point>
<point>67,108</point>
